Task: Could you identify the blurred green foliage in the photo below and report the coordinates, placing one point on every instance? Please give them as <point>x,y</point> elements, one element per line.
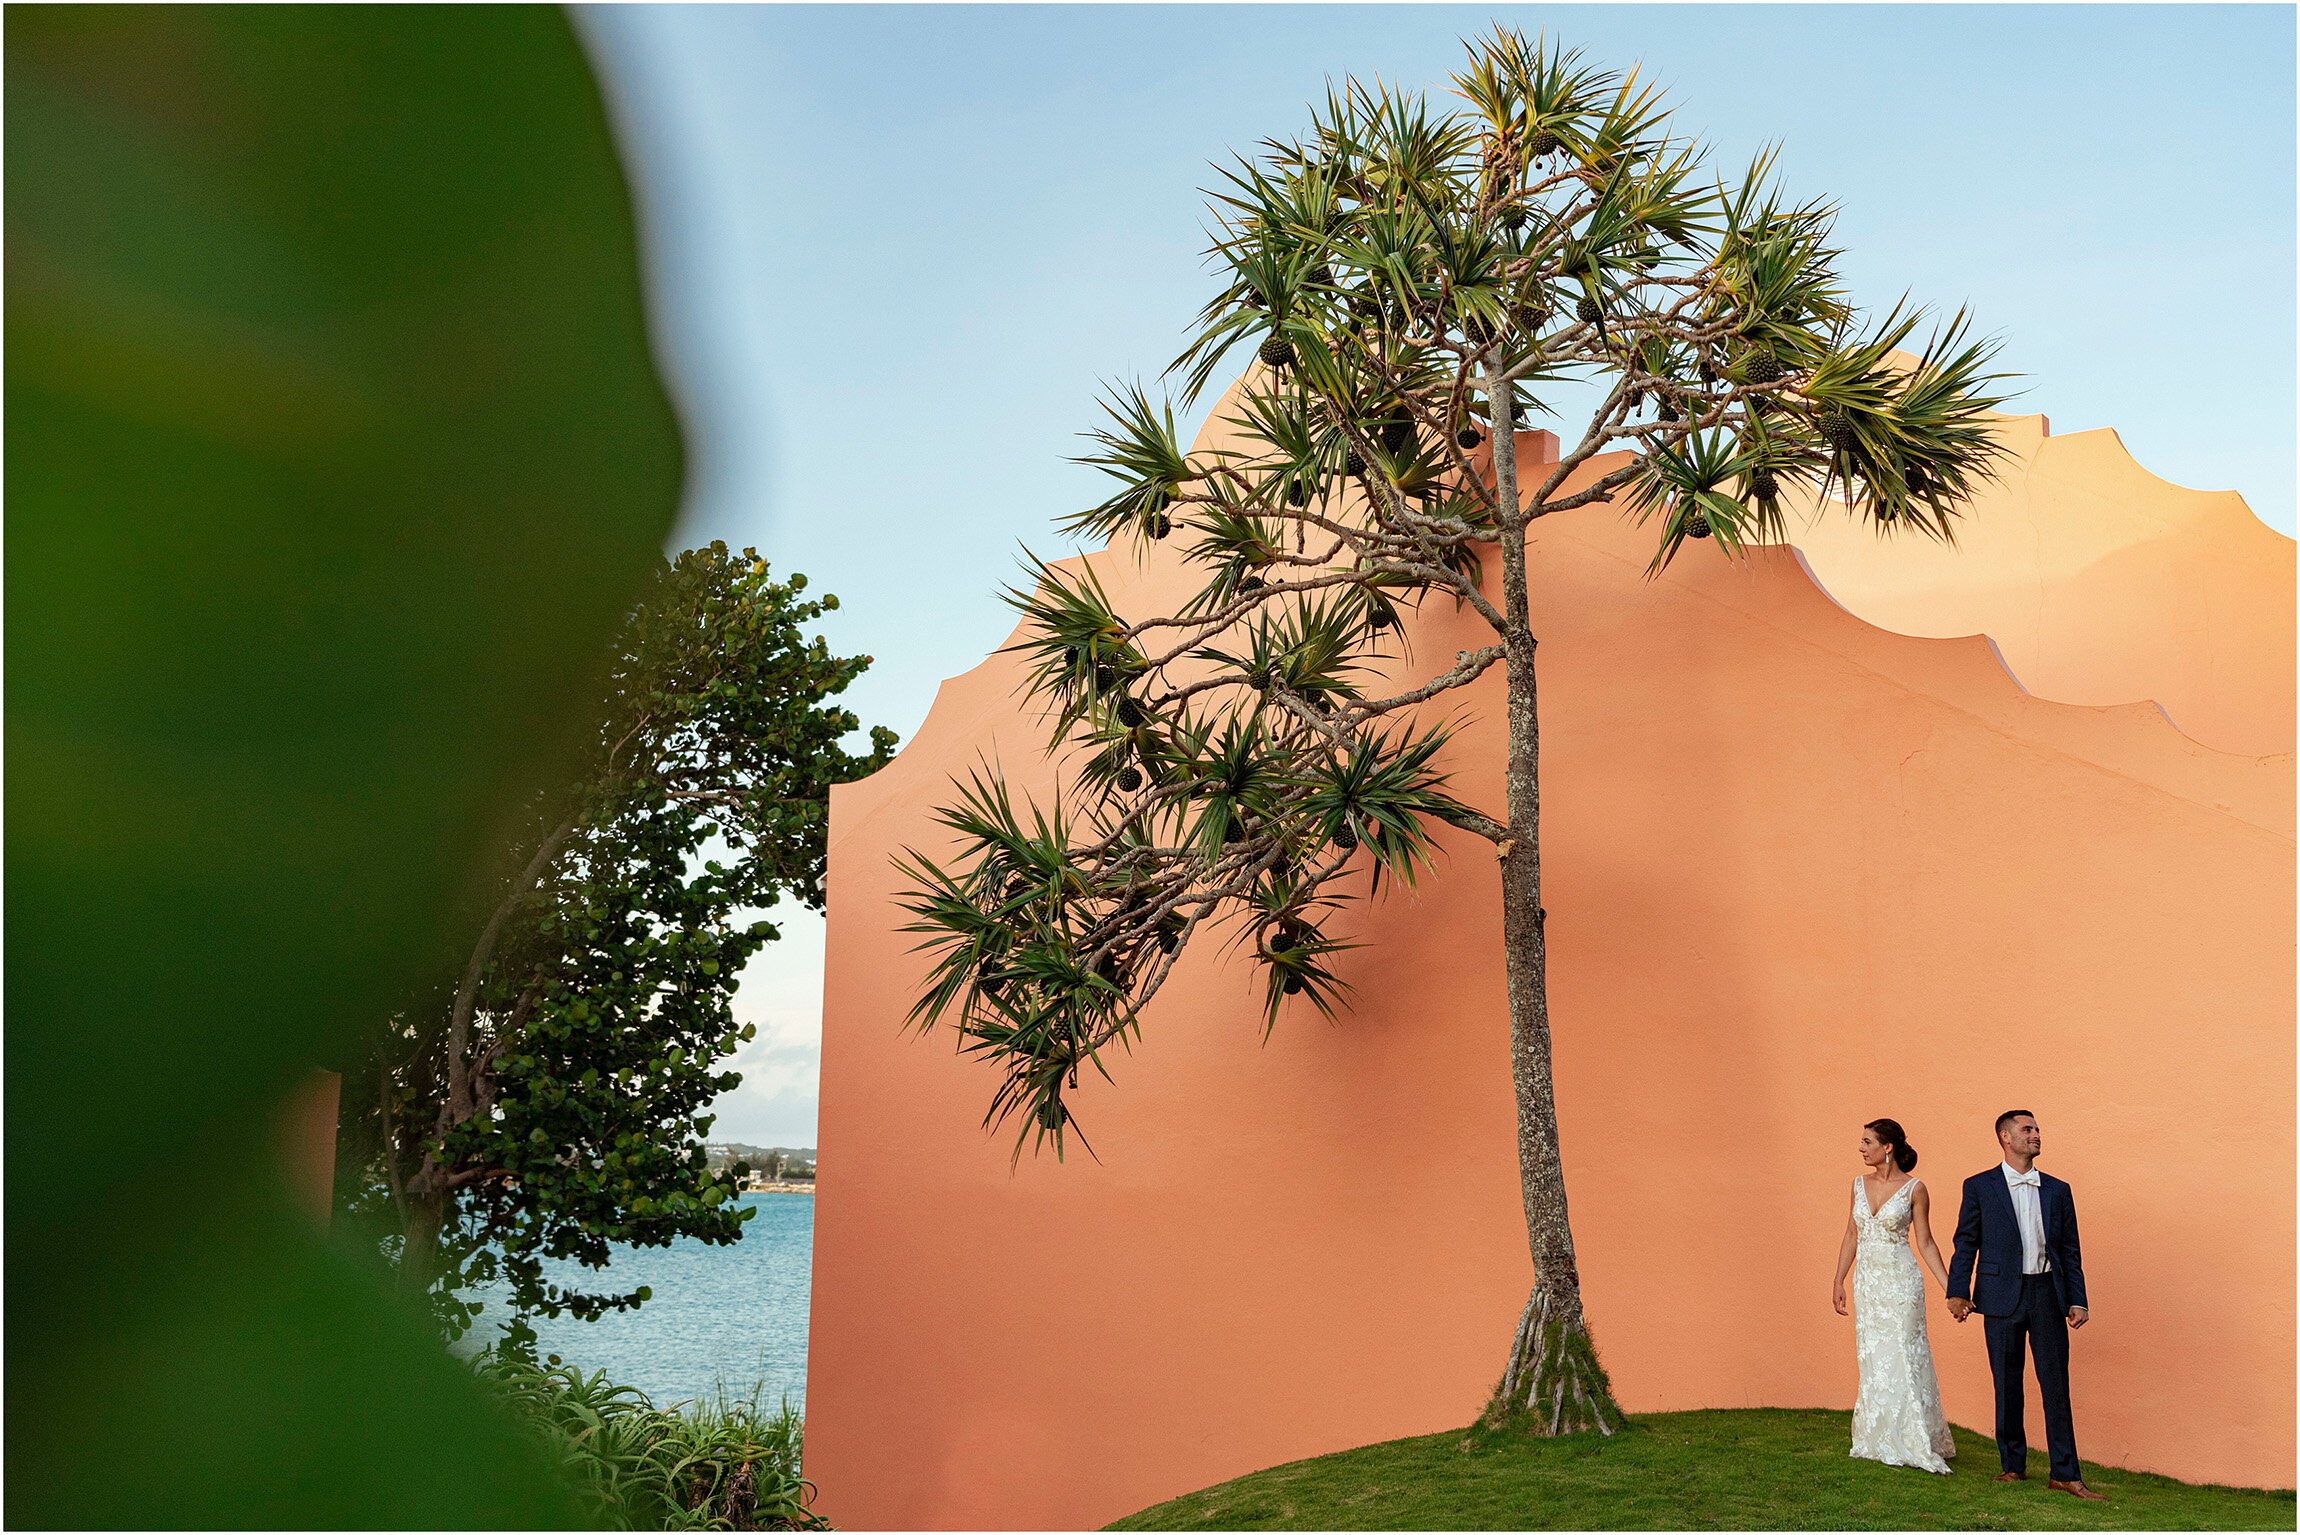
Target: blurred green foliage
<point>335,452</point>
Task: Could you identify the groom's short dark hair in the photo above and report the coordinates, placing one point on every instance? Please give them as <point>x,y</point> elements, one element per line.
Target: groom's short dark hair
<point>2009,1115</point>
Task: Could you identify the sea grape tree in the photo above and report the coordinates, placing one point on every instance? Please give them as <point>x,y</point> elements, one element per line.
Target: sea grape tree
<point>549,1097</point>
<point>1415,284</point>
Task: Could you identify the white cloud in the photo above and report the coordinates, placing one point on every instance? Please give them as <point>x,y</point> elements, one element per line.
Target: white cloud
<point>782,995</point>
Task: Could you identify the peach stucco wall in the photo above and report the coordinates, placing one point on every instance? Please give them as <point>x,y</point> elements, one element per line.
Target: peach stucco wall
<point>1802,872</point>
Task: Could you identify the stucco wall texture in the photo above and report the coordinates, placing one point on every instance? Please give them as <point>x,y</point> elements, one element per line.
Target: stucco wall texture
<point>1805,867</point>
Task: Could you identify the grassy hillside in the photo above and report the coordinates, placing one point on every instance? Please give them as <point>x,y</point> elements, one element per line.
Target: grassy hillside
<point>1757,1469</point>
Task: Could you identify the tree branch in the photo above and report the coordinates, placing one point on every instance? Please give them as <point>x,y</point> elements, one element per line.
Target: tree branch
<point>459,1021</point>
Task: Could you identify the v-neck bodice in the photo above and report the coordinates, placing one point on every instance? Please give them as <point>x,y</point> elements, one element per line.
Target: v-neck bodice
<point>1886,1222</point>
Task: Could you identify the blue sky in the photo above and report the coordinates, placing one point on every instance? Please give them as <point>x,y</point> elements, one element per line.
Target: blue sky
<point>895,251</point>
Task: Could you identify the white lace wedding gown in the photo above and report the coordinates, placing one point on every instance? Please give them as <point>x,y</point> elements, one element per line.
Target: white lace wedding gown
<point>1897,1416</point>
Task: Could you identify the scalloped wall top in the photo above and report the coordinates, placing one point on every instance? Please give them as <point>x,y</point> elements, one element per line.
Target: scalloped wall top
<point>2099,582</point>
<point>2096,582</point>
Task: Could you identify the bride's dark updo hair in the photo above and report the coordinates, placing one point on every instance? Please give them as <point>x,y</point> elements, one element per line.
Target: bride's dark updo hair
<point>1889,1132</point>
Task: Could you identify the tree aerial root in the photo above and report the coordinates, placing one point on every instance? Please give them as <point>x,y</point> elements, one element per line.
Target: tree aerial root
<point>1554,1384</point>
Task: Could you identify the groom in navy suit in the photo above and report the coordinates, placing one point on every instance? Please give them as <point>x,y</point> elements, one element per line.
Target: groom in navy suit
<point>2018,1264</point>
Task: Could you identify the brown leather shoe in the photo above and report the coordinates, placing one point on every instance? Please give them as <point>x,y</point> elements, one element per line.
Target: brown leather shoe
<point>2077,1490</point>
<point>2010,1476</point>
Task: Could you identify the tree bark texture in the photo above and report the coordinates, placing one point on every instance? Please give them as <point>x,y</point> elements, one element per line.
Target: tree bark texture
<point>1552,1383</point>
<point>419,1251</point>
<point>469,1091</point>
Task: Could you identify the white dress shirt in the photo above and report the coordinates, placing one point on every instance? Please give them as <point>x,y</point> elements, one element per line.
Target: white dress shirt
<point>2028,1207</point>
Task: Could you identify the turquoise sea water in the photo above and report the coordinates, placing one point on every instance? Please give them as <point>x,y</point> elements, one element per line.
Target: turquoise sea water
<point>732,1316</point>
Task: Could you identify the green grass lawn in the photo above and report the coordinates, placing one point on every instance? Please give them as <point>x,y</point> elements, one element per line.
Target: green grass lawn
<point>1765,1468</point>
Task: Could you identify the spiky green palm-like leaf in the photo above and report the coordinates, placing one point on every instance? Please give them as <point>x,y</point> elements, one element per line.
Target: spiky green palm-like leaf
<point>1232,546</point>
<point>1689,484</point>
<point>1074,644</point>
<point>1308,651</point>
<point>1385,791</point>
<point>1294,955</point>
<point>1239,783</point>
<point>1934,415</point>
<point>1141,448</point>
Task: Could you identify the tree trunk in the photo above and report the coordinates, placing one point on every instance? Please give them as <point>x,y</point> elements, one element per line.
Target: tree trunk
<point>419,1252</point>
<point>469,1084</point>
<point>1553,1383</point>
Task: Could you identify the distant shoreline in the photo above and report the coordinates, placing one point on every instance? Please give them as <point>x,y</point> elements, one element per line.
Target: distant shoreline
<point>779,1188</point>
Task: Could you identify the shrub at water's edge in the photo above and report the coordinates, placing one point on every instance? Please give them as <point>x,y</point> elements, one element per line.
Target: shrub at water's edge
<point>721,1465</point>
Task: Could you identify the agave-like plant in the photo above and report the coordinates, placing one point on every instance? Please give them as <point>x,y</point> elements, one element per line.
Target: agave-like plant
<point>725,1463</point>
<point>1412,282</point>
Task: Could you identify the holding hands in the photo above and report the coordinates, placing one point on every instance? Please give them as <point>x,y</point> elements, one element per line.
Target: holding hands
<point>1960,1308</point>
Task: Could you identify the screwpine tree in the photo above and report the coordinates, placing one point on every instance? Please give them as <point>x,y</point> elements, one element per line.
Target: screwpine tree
<point>1236,762</point>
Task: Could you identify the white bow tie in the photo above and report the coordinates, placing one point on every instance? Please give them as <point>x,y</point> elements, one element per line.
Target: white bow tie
<point>2023,1178</point>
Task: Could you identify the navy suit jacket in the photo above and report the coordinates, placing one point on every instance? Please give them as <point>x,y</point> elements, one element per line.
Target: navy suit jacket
<point>1987,1266</point>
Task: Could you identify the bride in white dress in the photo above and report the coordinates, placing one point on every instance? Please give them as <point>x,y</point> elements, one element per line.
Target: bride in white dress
<point>1897,1417</point>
